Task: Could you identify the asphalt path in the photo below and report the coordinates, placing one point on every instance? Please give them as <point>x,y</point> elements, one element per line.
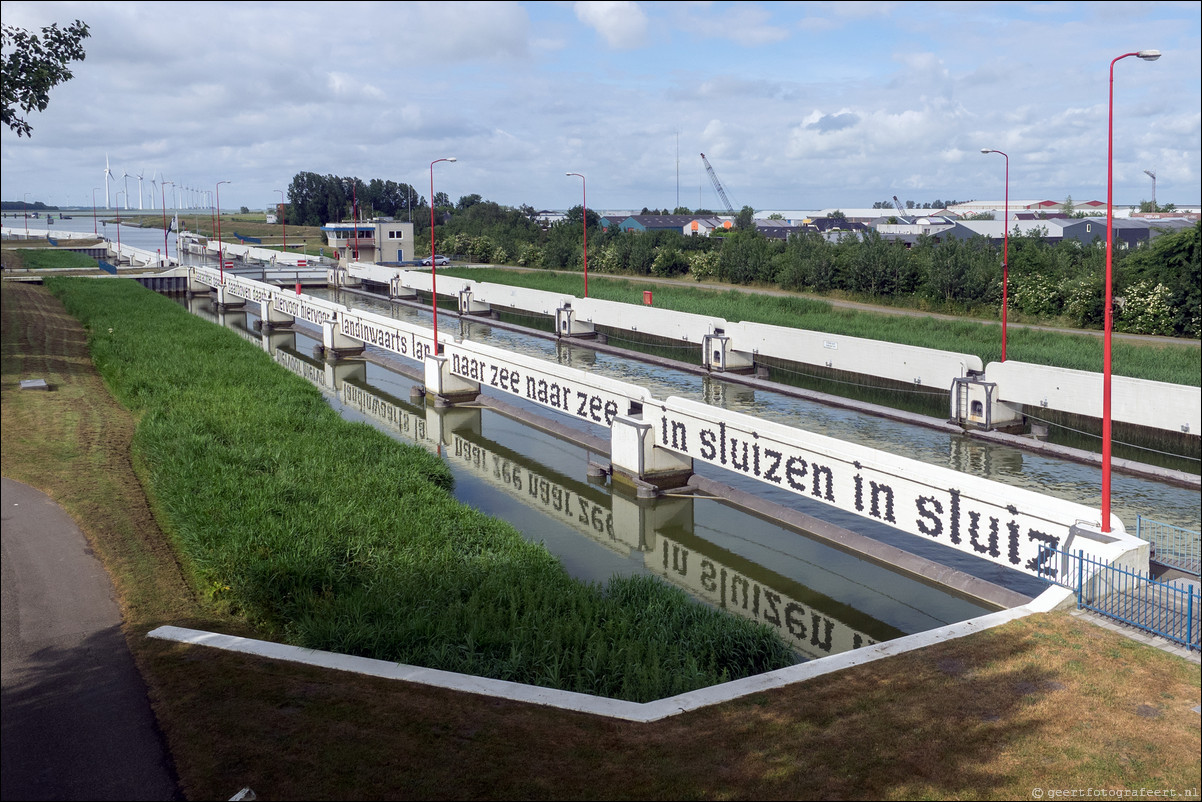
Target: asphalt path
<point>77,722</point>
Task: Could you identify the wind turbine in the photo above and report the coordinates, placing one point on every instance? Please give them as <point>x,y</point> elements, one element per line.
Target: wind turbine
<point>141,195</point>
<point>153,186</point>
<point>107,175</point>
<point>125,175</point>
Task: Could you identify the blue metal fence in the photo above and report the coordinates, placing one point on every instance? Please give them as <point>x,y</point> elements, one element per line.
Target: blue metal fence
<point>1132,597</point>
<point>1172,546</point>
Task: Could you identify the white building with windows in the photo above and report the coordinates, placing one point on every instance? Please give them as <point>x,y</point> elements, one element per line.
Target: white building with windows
<point>381,240</point>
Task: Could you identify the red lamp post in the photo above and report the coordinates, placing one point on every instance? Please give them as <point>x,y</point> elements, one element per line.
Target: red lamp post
<point>94,231</point>
<point>163,192</point>
<point>433,266</point>
<point>283,219</point>
<point>220,249</point>
<point>1146,55</point>
<point>584,219</point>
<point>1005,249</point>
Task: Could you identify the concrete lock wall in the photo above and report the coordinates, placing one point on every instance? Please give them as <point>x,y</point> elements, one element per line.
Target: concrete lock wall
<point>587,396</point>
<point>537,301</point>
<point>648,320</point>
<point>1159,405</point>
<point>902,363</point>
<point>994,521</point>
<point>653,439</point>
<point>1077,392</point>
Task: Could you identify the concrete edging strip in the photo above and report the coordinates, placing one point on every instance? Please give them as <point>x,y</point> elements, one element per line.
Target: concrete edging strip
<point>613,708</point>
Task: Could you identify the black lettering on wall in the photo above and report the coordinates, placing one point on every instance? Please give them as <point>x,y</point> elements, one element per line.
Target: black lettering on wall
<point>1012,555</point>
<point>774,458</point>
<point>933,524</point>
<point>1041,564</point>
<point>820,471</point>
<point>880,491</point>
<point>974,535</point>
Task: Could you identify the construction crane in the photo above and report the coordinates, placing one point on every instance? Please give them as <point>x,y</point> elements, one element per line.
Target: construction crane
<point>897,203</point>
<point>717,184</point>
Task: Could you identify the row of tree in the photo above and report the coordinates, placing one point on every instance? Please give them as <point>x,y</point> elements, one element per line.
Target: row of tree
<point>935,204</point>
<point>1158,286</point>
<point>314,200</point>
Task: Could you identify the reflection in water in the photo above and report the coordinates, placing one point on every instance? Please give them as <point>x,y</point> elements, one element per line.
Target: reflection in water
<point>1076,482</point>
<point>819,599</point>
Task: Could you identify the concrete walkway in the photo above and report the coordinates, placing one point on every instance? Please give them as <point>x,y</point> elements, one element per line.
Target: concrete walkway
<point>77,723</point>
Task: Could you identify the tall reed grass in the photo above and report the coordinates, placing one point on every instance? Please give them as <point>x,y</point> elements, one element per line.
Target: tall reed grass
<point>331,535</point>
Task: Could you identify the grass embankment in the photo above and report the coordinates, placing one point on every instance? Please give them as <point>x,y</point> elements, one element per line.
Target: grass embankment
<point>331,535</point>
<point>301,239</point>
<point>1162,361</point>
<point>1050,702</point>
<point>44,259</point>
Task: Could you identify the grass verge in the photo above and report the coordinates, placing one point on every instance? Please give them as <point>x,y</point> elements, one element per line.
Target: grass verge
<point>1050,702</point>
<point>45,259</point>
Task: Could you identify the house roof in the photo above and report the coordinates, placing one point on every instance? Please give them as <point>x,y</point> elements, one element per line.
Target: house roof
<point>662,220</point>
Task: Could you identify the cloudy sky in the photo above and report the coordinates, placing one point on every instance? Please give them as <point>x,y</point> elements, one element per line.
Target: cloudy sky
<point>796,105</point>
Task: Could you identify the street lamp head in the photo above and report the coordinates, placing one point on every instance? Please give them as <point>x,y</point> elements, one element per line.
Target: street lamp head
<point>987,150</point>
<point>1149,55</point>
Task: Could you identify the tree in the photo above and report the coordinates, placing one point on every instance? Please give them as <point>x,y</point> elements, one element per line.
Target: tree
<point>1153,206</point>
<point>34,65</point>
<point>745,219</point>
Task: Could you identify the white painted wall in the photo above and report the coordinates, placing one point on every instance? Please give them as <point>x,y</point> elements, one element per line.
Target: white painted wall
<point>647,319</point>
<point>997,522</point>
<point>904,363</point>
<point>1159,405</point>
<point>1000,523</point>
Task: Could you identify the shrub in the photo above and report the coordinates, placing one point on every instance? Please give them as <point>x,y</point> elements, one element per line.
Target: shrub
<point>1145,310</point>
<point>1035,295</point>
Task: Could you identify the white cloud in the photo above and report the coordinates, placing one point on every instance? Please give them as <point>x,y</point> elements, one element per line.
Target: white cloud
<point>889,96</point>
<point>622,24</point>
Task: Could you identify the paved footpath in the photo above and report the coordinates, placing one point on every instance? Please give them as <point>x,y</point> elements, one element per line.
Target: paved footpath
<point>77,723</point>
